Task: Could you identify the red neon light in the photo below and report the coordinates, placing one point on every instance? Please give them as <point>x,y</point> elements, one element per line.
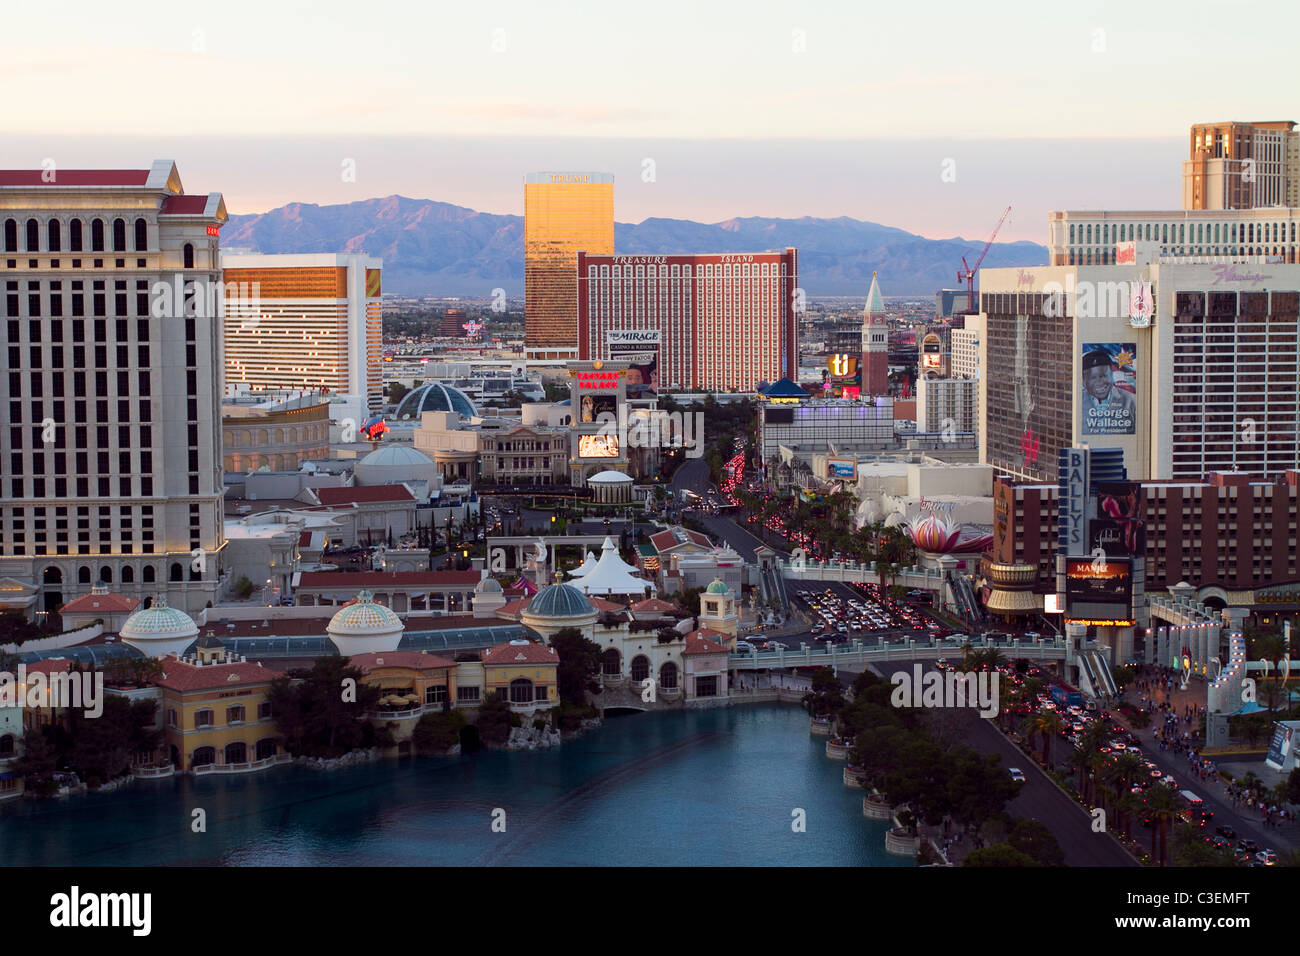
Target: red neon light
<point>214,230</point>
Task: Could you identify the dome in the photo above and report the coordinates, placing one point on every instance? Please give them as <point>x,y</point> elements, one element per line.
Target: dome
<point>396,455</point>
<point>434,397</point>
<point>610,478</point>
<point>560,600</point>
<point>159,630</point>
<point>716,586</point>
<point>488,585</point>
<point>363,625</point>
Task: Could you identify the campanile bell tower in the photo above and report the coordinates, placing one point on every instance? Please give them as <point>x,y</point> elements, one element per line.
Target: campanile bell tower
<point>875,344</point>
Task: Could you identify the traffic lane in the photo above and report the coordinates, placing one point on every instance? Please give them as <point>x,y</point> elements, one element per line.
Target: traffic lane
<point>1040,799</point>
<point>1247,827</point>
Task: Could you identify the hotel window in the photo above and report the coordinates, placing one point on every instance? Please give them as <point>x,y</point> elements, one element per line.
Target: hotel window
<point>468,694</point>
<point>235,715</point>
<point>203,718</point>
<point>435,694</point>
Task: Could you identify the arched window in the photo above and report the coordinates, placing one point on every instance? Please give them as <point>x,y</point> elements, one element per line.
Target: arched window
<point>119,235</point>
<point>83,574</point>
<point>141,235</point>
<point>53,235</point>
<point>668,676</point>
<point>266,748</point>
<point>7,745</point>
<point>74,236</point>
<point>640,667</point>
<point>128,575</point>
<point>237,752</point>
<point>106,574</point>
<point>196,574</point>
<point>11,235</point>
<point>177,573</point>
<point>148,577</point>
<point>52,575</point>
<point>611,664</point>
<point>189,256</point>
<point>204,756</point>
<point>33,236</point>
<point>521,691</point>
<point>96,235</point>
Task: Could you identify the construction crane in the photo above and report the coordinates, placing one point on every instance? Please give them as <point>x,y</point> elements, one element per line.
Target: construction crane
<point>967,274</point>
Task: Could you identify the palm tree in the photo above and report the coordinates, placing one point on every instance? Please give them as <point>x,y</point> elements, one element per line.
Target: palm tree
<point>1089,753</point>
<point>1163,807</point>
<point>1048,723</point>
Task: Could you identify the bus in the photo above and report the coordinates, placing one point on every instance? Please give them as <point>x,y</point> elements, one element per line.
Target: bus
<point>1063,695</point>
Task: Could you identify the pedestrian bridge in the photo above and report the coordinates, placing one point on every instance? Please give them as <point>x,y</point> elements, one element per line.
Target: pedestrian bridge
<point>860,653</point>
<point>799,570</point>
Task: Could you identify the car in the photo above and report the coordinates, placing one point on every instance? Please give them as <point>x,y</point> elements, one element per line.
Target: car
<point>1250,846</point>
<point>1017,775</point>
<point>777,646</point>
<point>1267,857</point>
<point>744,647</point>
<point>1224,830</point>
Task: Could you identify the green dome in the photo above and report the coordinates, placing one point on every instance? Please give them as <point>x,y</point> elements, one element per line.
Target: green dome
<point>717,587</point>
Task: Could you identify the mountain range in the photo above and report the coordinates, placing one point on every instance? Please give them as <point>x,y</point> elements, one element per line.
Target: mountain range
<point>436,248</point>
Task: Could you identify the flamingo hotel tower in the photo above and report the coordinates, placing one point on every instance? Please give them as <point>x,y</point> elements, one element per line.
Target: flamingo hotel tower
<point>563,213</point>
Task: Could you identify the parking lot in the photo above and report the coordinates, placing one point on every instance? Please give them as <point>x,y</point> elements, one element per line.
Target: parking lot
<point>846,612</point>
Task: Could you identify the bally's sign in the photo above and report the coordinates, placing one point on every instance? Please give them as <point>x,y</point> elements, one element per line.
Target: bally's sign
<point>1074,507</point>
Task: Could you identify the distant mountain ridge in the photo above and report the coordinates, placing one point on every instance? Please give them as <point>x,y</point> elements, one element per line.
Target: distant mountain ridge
<point>437,248</point>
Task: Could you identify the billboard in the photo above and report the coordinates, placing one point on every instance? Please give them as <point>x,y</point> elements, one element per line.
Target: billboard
<point>1280,747</point>
<point>1093,580</point>
<point>842,367</point>
<point>1120,526</point>
<point>597,446</point>
<point>640,349</point>
<point>932,352</point>
<point>1108,404</point>
<point>593,406</point>
<point>842,468</point>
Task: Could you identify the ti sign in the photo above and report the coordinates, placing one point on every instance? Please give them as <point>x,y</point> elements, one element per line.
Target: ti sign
<point>214,230</point>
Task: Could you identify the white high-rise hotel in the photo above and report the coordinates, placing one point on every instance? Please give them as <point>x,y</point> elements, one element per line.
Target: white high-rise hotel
<point>109,426</point>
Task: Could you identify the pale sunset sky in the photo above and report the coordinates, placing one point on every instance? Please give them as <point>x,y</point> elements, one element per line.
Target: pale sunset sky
<point>702,111</point>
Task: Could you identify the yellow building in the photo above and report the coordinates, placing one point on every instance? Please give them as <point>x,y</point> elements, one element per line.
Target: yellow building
<point>563,213</point>
<point>524,673</point>
<point>411,684</point>
<point>216,712</point>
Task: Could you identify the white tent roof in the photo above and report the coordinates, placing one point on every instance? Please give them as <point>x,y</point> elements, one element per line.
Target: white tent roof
<point>587,566</point>
<point>612,575</point>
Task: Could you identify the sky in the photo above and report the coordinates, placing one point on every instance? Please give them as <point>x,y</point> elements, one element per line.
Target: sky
<point>929,116</point>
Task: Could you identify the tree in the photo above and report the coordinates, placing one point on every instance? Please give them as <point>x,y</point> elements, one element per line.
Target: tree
<point>14,628</point>
<point>243,587</point>
<point>1048,723</point>
<point>39,759</point>
<point>494,719</point>
<point>316,714</point>
<point>438,732</point>
<point>1035,840</point>
<point>827,696</point>
<point>396,392</point>
<point>1293,786</point>
<point>999,854</point>
<point>578,673</point>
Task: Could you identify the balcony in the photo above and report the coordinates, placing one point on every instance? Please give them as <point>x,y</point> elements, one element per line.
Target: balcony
<point>248,766</point>
<point>390,714</point>
<point>154,771</point>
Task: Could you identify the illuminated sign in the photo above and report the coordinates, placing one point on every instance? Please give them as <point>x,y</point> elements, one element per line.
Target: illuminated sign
<point>842,366</point>
<point>597,381</point>
<point>1100,622</point>
<point>597,446</point>
<point>1075,481</point>
<point>1095,579</point>
<point>932,352</point>
<point>214,230</point>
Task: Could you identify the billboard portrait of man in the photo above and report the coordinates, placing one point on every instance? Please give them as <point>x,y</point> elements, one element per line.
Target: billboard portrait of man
<point>1109,400</point>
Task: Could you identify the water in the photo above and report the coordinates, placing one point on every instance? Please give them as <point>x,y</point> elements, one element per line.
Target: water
<point>700,788</point>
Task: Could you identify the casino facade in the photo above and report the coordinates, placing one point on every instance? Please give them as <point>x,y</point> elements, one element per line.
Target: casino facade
<point>719,322</point>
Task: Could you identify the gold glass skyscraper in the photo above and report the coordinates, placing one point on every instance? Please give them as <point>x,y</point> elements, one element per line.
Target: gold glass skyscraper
<point>563,213</point>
